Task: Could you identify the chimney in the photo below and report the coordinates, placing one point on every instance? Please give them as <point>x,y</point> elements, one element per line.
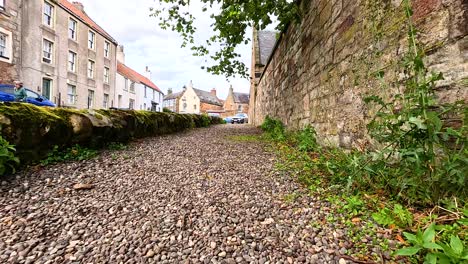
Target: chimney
<point>120,54</point>
<point>231,89</point>
<point>213,91</point>
<point>169,91</point>
<point>79,6</point>
<point>147,72</point>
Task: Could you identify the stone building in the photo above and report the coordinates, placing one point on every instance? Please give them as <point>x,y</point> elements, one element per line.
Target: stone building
<point>236,103</point>
<point>196,101</point>
<point>323,67</point>
<point>10,41</point>
<point>262,47</point>
<point>171,100</point>
<point>66,56</point>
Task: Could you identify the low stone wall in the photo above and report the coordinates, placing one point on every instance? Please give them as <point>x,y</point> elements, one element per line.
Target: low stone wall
<point>36,130</point>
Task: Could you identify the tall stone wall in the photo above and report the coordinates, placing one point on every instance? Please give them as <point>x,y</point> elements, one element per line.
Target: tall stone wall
<point>324,66</point>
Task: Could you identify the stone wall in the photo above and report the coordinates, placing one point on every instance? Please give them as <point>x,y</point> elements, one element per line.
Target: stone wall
<point>325,65</point>
<point>36,130</point>
<point>204,108</point>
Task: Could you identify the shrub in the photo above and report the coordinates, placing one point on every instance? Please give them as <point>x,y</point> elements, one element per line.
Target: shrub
<point>166,110</point>
<point>8,161</point>
<point>306,139</point>
<point>274,129</point>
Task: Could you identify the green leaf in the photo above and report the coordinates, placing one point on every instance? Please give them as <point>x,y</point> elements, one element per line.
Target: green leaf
<point>418,122</point>
<point>456,245</point>
<point>409,251</point>
<point>430,259</point>
<point>410,237</point>
<point>432,245</point>
<point>429,234</point>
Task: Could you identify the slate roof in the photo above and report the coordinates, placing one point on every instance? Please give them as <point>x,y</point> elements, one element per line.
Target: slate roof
<point>126,71</point>
<point>173,96</point>
<point>85,19</point>
<point>241,98</point>
<point>266,44</point>
<point>207,97</point>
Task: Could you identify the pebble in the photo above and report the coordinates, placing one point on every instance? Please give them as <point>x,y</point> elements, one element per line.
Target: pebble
<point>189,197</point>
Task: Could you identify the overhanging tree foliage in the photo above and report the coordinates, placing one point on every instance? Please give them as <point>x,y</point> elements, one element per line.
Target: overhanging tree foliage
<point>231,21</point>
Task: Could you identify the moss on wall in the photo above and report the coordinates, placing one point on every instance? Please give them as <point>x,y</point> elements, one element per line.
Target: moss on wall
<point>36,130</point>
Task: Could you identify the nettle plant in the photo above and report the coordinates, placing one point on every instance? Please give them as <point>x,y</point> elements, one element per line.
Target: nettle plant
<point>421,157</point>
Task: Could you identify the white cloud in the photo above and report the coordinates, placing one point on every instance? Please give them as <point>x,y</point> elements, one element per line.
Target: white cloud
<point>148,45</point>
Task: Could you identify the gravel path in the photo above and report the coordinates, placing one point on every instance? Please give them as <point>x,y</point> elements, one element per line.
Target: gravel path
<point>194,197</point>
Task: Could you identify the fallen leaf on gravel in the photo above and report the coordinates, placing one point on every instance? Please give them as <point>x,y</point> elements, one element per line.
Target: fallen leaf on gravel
<point>356,220</point>
<point>399,238</point>
<point>82,186</point>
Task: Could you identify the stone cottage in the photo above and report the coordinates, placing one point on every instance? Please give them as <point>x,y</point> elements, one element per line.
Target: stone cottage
<point>236,103</point>
<point>196,101</point>
<point>171,100</point>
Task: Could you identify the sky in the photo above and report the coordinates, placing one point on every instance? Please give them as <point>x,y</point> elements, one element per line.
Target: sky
<point>146,44</point>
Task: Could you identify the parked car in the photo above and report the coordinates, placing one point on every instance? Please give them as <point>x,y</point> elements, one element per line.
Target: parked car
<point>214,114</point>
<point>7,94</point>
<point>228,119</point>
<point>240,118</point>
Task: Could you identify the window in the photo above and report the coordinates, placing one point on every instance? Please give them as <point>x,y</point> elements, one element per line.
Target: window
<point>239,108</point>
<point>126,85</point>
<point>120,101</point>
<point>3,45</point>
<point>106,49</point>
<point>145,91</point>
<point>31,94</point>
<point>131,103</point>
<point>132,87</point>
<point>195,107</point>
<point>106,75</point>
<point>144,106</point>
<point>105,103</point>
<point>71,61</point>
<point>185,106</point>
<point>48,18</point>
<point>90,69</point>
<point>71,94</point>
<point>72,24</point>
<point>91,40</point>
<point>90,99</point>
<point>48,50</point>
<point>46,88</point>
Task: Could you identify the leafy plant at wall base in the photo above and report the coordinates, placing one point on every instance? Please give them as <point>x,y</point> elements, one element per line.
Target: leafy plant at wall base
<point>430,251</point>
<point>8,161</point>
<point>422,159</point>
<point>307,139</point>
<point>75,153</point>
<point>274,129</point>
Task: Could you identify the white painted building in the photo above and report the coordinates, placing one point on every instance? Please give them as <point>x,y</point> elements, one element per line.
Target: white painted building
<point>135,91</point>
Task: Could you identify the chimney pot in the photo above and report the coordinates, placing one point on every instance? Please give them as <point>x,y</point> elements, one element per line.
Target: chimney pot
<point>78,5</point>
<point>213,91</point>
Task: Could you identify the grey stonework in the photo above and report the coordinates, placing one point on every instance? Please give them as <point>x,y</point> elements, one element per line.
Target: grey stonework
<point>10,22</point>
<point>324,66</point>
<point>34,70</point>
